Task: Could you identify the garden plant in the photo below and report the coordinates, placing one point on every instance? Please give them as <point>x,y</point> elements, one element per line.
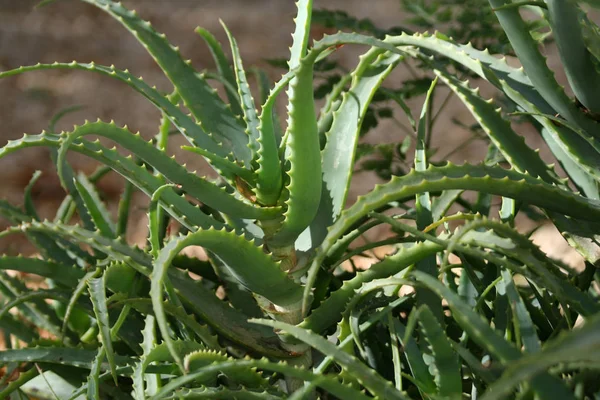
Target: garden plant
<point>272,312</point>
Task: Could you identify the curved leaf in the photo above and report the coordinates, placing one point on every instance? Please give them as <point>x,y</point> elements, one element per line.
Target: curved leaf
<point>213,115</point>
<point>368,377</point>
<point>200,188</point>
<point>187,214</point>
<point>265,278</point>
<point>578,346</point>
<point>486,179</point>
<point>584,77</point>
<point>180,120</point>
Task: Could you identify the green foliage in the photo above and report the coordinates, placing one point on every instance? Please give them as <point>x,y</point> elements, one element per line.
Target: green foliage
<point>279,310</point>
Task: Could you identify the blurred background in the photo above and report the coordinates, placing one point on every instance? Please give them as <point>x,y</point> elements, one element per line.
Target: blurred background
<point>69,30</point>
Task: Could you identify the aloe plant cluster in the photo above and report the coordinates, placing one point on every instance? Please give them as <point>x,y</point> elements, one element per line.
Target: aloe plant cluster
<point>271,313</point>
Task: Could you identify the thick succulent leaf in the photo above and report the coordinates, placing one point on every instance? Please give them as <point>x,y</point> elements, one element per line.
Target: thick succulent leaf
<point>154,221</point>
<point>581,148</point>
<point>213,115</point>
<point>579,347</point>
<point>366,376</point>
<point>28,204</point>
<point>544,269</point>
<point>564,17</point>
<point>98,297</point>
<point>142,382</point>
<point>328,382</point>
<point>226,320</point>
<point>77,293</point>
<point>480,62</point>
<point>36,311</point>
<point>522,319</point>
<point>95,207</point>
<point>11,325</point>
<point>591,36</point>
<point>342,138</point>
<point>80,358</point>
<point>304,189</point>
<point>248,378</point>
<point>205,191</point>
<point>534,63</point>
<point>423,206</point>
<point>93,381</point>
<point>245,95</point>
<point>578,175</point>
<point>221,392</point>
<point>447,368</point>
<point>187,214</point>
<point>488,338</point>
<point>330,311</point>
<point>203,332</point>
<point>186,125</point>
<point>486,179</point>
<point>423,379</point>
<point>512,146</point>
<point>223,164</point>
<point>65,275</point>
<point>67,178</point>
<point>301,33</point>
<point>223,67</point>
<point>33,295</point>
<point>269,173</point>
<point>264,278</point>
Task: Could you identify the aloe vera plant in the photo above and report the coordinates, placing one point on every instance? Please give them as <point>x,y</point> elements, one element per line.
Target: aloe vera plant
<point>274,314</point>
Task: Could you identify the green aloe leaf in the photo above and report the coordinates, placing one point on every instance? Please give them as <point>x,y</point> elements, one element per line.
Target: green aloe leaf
<point>213,115</point>
<point>342,137</point>
<point>93,382</point>
<point>479,331</point>
<point>580,147</point>
<point>80,358</point>
<point>186,125</point>
<point>493,180</point>
<point>523,323</point>
<point>202,189</point>
<point>187,214</point>
<point>330,310</point>
<point>249,378</point>
<point>302,152</point>
<point>98,297</point>
<point>368,377</point>
<point>447,373</point>
<point>423,379</point>
<point>328,382</point>
<point>536,68</point>
<point>423,206</point>
<point>223,67</point>
<point>245,95</point>
<point>95,207</point>
<point>265,278</point>
<point>28,199</point>
<point>269,173</point>
<point>36,311</point>
<point>304,189</point>
<point>565,17</point>
<point>512,146</point>
<point>578,347</point>
<point>65,275</point>
<point>226,320</point>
